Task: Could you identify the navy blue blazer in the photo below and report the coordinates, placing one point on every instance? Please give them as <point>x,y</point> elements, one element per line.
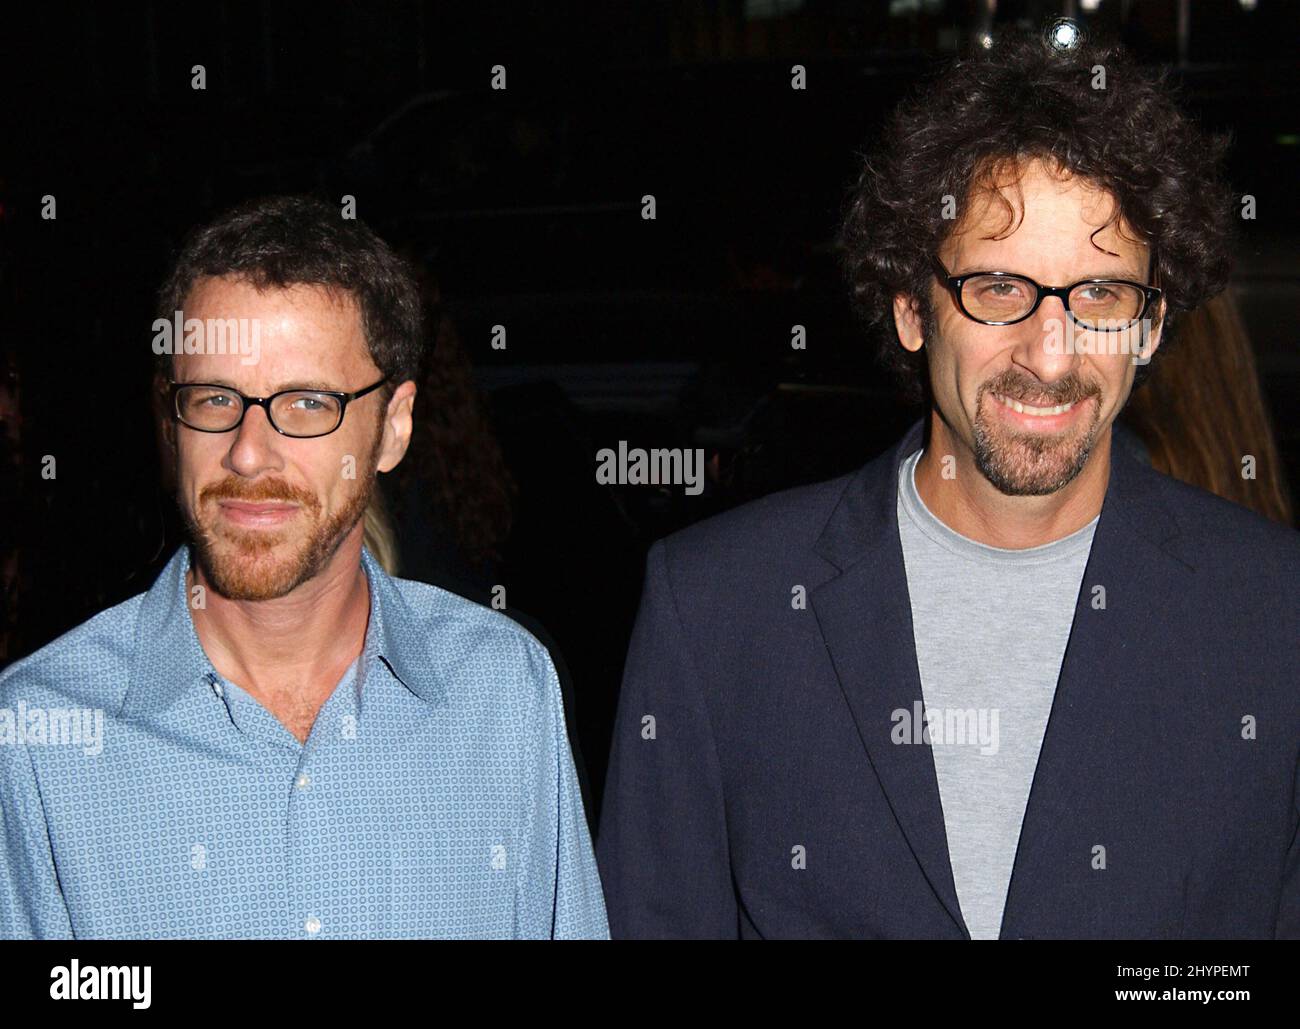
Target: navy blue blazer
<point>754,791</point>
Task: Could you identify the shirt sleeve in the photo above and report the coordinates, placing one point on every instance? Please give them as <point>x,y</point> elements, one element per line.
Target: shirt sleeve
<point>558,883</point>
<point>663,846</point>
<point>31,902</point>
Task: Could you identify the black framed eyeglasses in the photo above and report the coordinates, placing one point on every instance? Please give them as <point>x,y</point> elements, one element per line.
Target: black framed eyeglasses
<point>300,413</point>
<point>1003,298</point>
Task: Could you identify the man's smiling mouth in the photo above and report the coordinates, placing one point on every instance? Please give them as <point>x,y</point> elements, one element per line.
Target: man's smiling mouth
<point>1040,412</point>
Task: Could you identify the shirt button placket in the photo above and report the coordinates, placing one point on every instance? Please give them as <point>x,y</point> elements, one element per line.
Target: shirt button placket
<point>300,858</point>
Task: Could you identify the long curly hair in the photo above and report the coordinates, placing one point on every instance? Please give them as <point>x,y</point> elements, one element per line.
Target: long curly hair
<point>1090,111</point>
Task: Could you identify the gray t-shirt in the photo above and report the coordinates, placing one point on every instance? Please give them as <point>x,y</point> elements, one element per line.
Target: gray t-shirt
<point>991,627</point>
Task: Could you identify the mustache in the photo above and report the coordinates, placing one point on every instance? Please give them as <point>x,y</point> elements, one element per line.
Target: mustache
<point>1069,390</point>
<point>256,492</point>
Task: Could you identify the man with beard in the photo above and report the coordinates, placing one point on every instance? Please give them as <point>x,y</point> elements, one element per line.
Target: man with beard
<point>293,743</point>
<point>1005,681</point>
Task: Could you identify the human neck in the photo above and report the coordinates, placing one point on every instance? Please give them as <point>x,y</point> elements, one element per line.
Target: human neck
<point>301,642</point>
<point>971,505</point>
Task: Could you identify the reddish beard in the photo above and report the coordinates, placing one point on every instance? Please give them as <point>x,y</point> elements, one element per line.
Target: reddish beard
<point>247,564</point>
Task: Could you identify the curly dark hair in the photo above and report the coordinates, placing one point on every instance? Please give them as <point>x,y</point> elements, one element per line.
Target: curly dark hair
<point>1018,101</point>
<point>290,240</point>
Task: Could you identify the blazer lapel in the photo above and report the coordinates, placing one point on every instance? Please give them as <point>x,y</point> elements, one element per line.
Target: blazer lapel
<point>865,616</point>
<point>1136,531</point>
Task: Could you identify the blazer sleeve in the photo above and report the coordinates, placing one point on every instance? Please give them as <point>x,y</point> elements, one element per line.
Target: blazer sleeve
<point>662,846</point>
<point>1287,926</point>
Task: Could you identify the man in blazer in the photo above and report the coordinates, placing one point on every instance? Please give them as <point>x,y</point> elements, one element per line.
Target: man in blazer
<point>1005,681</point>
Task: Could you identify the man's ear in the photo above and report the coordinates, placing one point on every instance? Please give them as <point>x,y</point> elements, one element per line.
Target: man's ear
<point>908,322</point>
<point>1157,330</point>
<point>162,414</point>
<point>1142,339</point>
<point>165,426</point>
<point>397,427</point>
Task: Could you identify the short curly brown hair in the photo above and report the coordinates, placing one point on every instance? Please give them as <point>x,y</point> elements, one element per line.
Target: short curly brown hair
<point>1018,101</point>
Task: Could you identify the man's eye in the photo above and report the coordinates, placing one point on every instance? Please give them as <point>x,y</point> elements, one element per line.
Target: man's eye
<point>308,404</point>
<point>215,400</point>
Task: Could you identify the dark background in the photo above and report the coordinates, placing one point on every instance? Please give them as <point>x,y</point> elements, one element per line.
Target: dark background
<point>525,206</point>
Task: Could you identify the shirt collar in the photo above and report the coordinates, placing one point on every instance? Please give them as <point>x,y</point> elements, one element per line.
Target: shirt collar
<point>401,638</point>
<point>169,658</point>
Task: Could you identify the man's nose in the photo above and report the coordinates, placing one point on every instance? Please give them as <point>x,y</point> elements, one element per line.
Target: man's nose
<point>1046,345</point>
<point>254,448</point>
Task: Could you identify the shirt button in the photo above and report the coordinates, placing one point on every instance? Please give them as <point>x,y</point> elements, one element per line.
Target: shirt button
<point>303,781</point>
<point>312,925</point>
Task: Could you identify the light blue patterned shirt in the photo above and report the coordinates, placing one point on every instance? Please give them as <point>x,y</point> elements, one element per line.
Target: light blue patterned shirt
<point>143,796</point>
